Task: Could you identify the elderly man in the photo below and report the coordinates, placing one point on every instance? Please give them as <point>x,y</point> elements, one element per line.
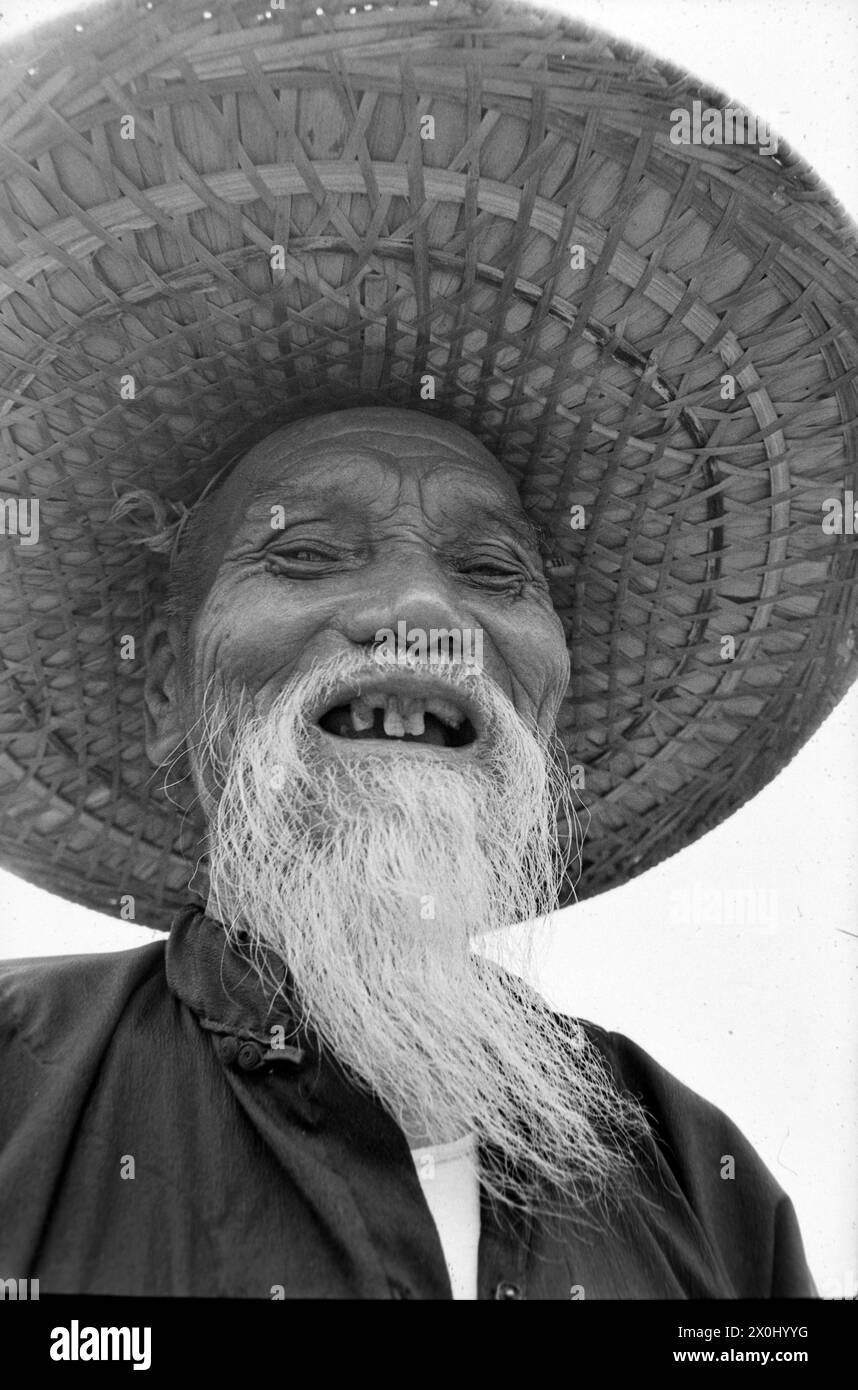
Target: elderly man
<point>328,1093</point>
<point>408,433</point>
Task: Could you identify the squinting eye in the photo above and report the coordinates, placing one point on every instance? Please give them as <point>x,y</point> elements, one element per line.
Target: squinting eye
<point>301,561</point>
<point>492,569</point>
<point>305,553</point>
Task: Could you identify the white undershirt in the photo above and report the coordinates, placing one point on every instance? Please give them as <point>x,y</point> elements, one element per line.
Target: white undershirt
<point>449,1177</point>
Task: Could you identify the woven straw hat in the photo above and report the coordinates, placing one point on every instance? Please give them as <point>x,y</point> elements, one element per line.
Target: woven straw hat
<point>580,290</point>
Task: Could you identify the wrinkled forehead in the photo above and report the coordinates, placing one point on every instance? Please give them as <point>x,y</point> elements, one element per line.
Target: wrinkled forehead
<point>386,458</point>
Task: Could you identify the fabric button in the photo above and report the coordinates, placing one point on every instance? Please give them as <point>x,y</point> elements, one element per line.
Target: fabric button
<point>507,1290</point>
<point>250,1056</point>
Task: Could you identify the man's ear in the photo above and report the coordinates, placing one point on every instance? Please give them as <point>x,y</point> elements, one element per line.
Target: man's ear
<point>165,728</point>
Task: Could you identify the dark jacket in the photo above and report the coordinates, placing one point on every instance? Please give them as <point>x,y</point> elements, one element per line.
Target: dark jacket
<point>259,1171</point>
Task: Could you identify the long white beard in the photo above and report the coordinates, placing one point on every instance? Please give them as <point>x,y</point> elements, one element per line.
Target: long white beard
<point>370,876</point>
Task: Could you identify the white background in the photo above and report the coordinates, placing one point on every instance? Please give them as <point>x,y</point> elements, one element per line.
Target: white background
<point>761,1018</point>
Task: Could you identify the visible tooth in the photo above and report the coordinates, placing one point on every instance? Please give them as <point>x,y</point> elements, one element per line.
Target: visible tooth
<point>414,721</point>
<point>446,711</point>
<point>393,725</point>
<point>362,716</point>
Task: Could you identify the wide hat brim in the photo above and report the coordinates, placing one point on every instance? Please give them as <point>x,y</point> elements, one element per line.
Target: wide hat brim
<point>580,289</point>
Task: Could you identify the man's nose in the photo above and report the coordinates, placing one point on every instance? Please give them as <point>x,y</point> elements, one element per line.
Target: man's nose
<point>409,584</point>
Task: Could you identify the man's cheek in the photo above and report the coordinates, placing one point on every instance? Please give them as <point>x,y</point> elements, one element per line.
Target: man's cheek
<point>549,648</point>
<point>231,649</point>
<point>557,671</point>
<point>211,664</point>
<point>538,677</point>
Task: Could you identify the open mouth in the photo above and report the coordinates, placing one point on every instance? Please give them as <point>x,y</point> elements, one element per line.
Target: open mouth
<point>433,720</point>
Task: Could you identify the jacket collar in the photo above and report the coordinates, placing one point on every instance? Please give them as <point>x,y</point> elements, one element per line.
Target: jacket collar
<point>222,987</point>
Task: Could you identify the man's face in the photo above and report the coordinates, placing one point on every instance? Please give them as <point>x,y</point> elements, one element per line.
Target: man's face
<point>369,823</point>
<point>337,528</point>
